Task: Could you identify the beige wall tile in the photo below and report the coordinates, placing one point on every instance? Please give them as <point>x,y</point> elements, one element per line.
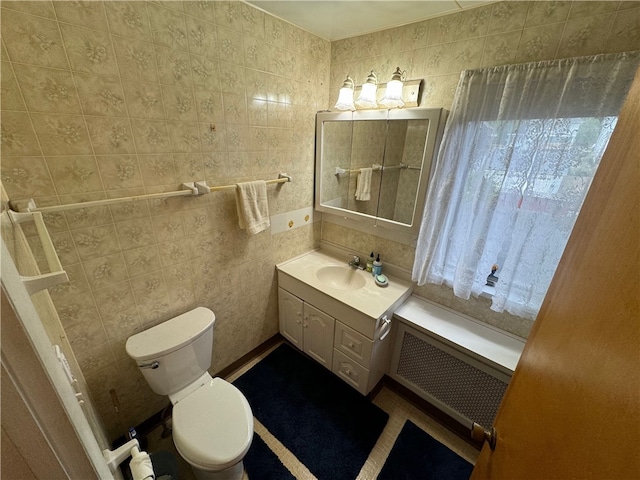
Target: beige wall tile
<point>100,95</point>
<point>61,134</point>
<point>625,31</point>
<point>544,13</point>
<point>136,60</point>
<point>110,135</point>
<point>89,51</point>
<point>47,90</point>
<point>72,174</point>
<point>9,91</point>
<point>18,136</point>
<point>129,19</point>
<point>167,26</point>
<point>90,14</point>
<point>32,40</point>
<point>26,177</point>
<point>144,100</point>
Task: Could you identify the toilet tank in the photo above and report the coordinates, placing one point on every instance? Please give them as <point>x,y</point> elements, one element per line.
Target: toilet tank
<point>175,353</point>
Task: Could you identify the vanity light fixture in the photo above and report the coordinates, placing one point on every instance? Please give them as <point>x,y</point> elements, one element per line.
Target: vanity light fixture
<point>345,98</point>
<point>393,94</point>
<point>367,98</point>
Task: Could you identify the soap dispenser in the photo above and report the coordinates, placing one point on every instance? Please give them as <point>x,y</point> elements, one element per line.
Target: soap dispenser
<point>370,263</point>
<point>377,266</point>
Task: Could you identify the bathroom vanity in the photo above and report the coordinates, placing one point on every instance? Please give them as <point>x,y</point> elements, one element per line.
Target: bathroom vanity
<point>338,316</point>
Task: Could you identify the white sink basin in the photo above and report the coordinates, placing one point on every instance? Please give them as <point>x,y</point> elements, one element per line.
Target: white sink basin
<point>341,277</point>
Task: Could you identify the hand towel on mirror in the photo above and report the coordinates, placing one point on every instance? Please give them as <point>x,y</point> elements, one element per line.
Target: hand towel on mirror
<point>252,206</point>
<point>363,185</point>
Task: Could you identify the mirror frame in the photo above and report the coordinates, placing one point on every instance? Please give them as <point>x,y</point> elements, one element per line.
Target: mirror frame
<point>436,117</point>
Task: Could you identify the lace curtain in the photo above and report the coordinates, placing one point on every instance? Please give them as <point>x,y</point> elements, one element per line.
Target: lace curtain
<point>521,146</point>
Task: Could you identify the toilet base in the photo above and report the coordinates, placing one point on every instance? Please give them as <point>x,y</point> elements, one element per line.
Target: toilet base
<point>232,473</point>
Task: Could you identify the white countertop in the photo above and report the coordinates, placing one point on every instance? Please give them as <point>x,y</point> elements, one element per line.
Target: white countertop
<point>471,335</point>
<point>372,300</point>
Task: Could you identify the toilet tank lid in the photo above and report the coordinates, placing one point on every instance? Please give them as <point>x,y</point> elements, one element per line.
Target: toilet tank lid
<point>171,335</point>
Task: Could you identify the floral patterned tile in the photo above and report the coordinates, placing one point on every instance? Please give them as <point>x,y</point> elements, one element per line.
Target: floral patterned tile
<point>62,134</point>
<point>26,177</point>
<point>142,260</point>
<point>202,37</point>
<point>205,73</point>
<point>73,174</point>
<point>105,271</point>
<point>17,135</point>
<point>96,242</point>
<point>179,104</point>
<point>9,91</point>
<point>544,13</point>
<point>150,136</point>
<point>174,67</point>
<point>168,27</point>
<point>90,14</point>
<point>100,95</point>
<point>624,31</point>
<point>136,60</point>
<point>202,10</point>
<point>110,135</point>
<point>144,100</point>
<point>585,36</point>
<point>33,39</point>
<point>129,19</point>
<point>89,51</point>
<point>114,298</point>
<point>46,89</point>
<point>119,171</point>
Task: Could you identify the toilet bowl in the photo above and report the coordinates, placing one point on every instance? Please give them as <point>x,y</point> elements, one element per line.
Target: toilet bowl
<point>212,421</point>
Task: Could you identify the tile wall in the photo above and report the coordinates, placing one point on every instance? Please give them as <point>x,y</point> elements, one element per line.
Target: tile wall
<point>437,50</point>
<point>109,99</point>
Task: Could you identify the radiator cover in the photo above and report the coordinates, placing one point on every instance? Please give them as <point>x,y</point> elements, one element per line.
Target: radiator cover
<point>456,386</point>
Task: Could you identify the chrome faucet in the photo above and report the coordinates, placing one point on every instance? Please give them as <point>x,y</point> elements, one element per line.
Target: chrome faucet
<point>355,262</point>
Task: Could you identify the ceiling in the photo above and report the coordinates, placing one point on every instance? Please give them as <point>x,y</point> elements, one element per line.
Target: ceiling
<point>335,20</point>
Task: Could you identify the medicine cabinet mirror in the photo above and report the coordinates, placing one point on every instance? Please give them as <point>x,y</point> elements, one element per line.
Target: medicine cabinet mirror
<point>397,145</point>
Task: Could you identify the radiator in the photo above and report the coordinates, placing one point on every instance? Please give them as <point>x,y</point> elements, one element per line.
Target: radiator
<point>451,380</point>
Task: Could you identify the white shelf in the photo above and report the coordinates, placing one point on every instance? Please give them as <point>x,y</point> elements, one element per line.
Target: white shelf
<point>486,344</point>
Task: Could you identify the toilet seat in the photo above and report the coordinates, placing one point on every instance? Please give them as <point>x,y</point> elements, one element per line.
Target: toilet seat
<point>213,426</point>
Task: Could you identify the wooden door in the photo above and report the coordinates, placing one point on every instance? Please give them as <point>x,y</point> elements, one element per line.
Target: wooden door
<point>290,313</point>
<point>572,409</point>
<point>318,335</point>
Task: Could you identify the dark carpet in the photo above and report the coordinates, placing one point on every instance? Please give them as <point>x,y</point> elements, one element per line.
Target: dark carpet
<point>262,464</point>
<point>327,425</point>
<point>418,456</point>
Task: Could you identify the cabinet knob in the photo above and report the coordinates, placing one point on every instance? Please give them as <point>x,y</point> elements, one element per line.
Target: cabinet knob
<point>305,325</point>
<point>348,372</point>
<point>351,345</point>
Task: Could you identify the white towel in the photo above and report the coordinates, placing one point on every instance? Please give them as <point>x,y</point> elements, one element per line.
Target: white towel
<point>363,185</point>
<point>252,206</point>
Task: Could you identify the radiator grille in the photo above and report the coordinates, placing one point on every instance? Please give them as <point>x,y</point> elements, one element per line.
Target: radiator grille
<point>469,391</point>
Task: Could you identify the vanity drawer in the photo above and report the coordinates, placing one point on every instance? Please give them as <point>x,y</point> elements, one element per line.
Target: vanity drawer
<point>353,344</point>
<point>350,371</point>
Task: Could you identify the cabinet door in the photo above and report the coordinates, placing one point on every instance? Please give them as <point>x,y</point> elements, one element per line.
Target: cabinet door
<point>290,314</point>
<point>318,335</point>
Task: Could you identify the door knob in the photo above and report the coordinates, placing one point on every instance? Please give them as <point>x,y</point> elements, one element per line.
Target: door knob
<point>481,434</point>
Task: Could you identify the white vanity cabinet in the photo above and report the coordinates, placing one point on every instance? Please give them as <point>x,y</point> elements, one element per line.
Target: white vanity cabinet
<point>346,331</point>
<point>306,327</point>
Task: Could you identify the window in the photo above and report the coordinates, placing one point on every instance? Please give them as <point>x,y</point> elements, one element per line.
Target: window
<point>519,152</point>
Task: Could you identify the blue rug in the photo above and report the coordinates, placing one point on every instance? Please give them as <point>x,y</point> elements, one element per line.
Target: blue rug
<point>416,455</point>
<point>327,425</point>
<point>262,464</point>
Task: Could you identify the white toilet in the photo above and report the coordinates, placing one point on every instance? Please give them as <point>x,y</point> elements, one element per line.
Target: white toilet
<point>212,422</point>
